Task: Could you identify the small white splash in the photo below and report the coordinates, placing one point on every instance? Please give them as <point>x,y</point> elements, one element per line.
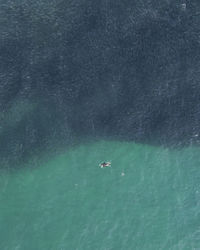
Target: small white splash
<point>196,135</point>
<point>122,174</point>
<point>183,6</point>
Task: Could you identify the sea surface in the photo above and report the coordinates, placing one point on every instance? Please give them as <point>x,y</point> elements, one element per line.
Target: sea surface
<point>149,199</point>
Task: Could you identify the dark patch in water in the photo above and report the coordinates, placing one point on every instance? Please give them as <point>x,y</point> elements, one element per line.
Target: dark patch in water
<point>98,68</point>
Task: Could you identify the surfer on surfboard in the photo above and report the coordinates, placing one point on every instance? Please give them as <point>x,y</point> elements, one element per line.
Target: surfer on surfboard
<point>105,164</point>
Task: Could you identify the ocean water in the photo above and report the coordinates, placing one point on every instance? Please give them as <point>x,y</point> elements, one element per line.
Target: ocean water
<point>148,199</point>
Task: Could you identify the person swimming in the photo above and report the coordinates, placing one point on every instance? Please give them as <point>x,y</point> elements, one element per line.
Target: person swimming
<point>105,164</point>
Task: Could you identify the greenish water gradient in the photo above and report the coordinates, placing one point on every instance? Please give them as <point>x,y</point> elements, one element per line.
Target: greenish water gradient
<point>70,203</point>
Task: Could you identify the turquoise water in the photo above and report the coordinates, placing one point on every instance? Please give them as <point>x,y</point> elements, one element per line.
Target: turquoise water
<point>148,199</point>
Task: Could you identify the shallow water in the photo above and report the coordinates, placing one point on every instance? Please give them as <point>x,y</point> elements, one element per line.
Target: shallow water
<point>148,199</point>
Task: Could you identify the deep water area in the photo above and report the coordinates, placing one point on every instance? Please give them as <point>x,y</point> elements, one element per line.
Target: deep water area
<point>127,70</point>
